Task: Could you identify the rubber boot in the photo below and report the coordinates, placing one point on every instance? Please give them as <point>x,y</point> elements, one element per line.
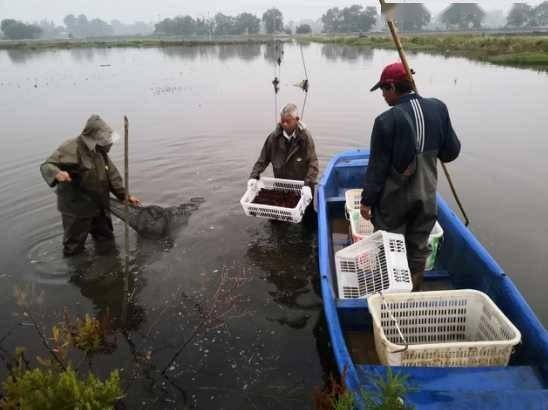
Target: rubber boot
<point>417,279</point>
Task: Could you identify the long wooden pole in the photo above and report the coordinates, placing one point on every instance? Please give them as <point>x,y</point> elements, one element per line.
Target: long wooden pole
<point>126,183</point>
<point>403,58</point>
<point>126,225</point>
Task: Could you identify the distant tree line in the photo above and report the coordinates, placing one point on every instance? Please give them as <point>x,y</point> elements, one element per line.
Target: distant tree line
<point>523,15</point>
<point>16,30</point>
<point>352,19</point>
<point>221,24</point>
<point>77,27</point>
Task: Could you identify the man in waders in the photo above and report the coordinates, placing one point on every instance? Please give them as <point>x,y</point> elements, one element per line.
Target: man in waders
<point>290,150</point>
<point>84,176</point>
<point>400,185</point>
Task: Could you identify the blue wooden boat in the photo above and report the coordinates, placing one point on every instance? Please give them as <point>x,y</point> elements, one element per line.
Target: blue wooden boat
<point>463,263</point>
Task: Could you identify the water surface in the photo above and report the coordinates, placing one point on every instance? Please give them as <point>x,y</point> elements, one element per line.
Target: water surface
<point>198,118</point>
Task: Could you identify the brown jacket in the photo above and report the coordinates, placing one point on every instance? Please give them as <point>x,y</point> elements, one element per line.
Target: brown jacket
<point>296,160</point>
<point>93,176</point>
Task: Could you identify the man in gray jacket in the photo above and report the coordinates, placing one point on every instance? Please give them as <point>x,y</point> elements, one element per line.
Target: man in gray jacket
<point>84,177</point>
<point>290,149</point>
<point>400,185</point>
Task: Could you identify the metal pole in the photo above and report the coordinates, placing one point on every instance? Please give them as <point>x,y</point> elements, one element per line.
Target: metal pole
<point>399,47</point>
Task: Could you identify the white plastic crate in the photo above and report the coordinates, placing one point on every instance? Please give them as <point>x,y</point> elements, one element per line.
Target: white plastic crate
<point>376,263</point>
<point>359,226</point>
<point>353,199</point>
<point>279,213</point>
<point>457,328</point>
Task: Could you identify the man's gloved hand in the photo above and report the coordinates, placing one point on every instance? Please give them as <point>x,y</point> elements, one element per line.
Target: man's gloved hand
<point>306,193</point>
<point>252,183</point>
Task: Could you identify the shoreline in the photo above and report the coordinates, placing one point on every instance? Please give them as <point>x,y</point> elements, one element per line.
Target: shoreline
<point>507,49</point>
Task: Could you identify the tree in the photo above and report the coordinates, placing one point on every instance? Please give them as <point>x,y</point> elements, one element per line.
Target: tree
<point>17,30</point>
<point>82,27</point>
<point>411,16</point>
<point>225,25</point>
<point>351,19</point>
<point>49,29</point>
<point>540,15</point>
<point>273,21</point>
<point>520,15</point>
<point>181,25</point>
<point>462,16</point>
<point>247,23</point>
<point>303,29</point>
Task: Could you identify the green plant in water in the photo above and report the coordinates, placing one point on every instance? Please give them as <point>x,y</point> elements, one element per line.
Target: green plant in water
<point>39,389</point>
<point>388,392</point>
<point>88,335</point>
<point>345,401</point>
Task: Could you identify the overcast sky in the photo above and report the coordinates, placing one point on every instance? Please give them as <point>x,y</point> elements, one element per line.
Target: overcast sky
<point>153,10</point>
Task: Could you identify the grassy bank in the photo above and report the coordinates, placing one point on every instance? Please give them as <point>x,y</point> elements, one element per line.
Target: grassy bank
<point>513,50</point>
<point>131,42</point>
<point>526,51</point>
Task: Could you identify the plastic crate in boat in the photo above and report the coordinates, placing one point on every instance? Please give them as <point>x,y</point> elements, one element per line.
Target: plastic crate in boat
<point>457,328</point>
<point>376,263</point>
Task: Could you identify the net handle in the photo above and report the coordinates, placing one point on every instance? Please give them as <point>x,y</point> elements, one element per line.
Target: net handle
<point>406,347</point>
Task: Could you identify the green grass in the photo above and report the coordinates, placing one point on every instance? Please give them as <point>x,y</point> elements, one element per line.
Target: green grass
<point>531,51</point>
<point>512,50</point>
<point>131,42</point>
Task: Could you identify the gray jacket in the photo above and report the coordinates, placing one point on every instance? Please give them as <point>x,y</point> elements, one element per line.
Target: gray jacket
<point>290,160</point>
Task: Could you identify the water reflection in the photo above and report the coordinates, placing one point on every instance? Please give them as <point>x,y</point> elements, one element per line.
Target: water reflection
<point>187,52</point>
<point>22,56</point>
<point>109,298</point>
<point>342,52</point>
<point>247,52</point>
<point>87,54</point>
<point>286,254</point>
<point>274,51</point>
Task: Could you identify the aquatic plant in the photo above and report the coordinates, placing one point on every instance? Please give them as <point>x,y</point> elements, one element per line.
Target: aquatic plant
<point>43,389</point>
<point>385,393</point>
<point>388,392</point>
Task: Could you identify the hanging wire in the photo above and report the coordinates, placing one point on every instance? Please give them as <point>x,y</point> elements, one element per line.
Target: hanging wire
<point>277,76</point>
<point>306,83</point>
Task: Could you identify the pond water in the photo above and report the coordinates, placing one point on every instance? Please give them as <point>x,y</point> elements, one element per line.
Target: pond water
<point>237,297</point>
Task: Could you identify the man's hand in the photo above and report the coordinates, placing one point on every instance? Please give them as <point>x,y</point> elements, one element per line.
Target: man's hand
<point>134,201</point>
<point>252,183</point>
<point>306,193</point>
<point>63,176</point>
<point>366,212</point>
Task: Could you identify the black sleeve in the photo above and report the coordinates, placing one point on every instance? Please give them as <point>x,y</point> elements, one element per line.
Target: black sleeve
<point>379,164</point>
<point>450,145</point>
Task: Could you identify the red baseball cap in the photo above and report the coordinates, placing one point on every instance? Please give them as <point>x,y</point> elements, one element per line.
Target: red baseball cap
<point>391,74</point>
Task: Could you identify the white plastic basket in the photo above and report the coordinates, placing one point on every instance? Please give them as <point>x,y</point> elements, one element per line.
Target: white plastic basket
<point>359,227</point>
<point>353,199</point>
<point>457,328</point>
<point>279,213</point>
<point>376,263</point>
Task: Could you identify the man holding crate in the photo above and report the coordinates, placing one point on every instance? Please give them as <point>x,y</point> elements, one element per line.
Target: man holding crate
<point>400,185</point>
<point>290,150</point>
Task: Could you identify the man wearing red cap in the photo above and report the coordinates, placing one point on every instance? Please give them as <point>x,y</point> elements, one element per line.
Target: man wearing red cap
<point>401,181</point>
